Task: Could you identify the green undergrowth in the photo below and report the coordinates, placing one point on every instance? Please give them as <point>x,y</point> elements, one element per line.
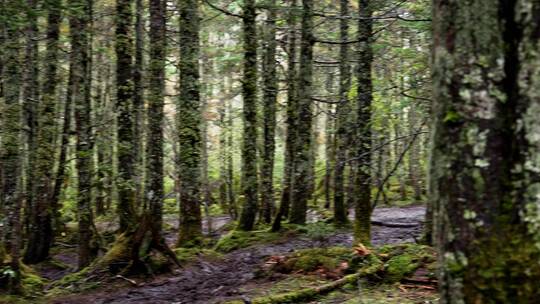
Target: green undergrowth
<point>31,285</point>
<point>187,255</point>
<point>237,239</point>
<point>345,275</point>
<point>74,282</point>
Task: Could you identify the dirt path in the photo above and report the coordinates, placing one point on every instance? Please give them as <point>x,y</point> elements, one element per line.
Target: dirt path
<point>217,281</point>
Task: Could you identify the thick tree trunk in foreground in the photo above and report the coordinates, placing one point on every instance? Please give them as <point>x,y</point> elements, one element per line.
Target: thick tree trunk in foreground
<point>127,161</point>
<point>249,145</point>
<point>362,218</point>
<point>189,125</point>
<point>302,162</point>
<point>485,166</point>
<point>269,114</point>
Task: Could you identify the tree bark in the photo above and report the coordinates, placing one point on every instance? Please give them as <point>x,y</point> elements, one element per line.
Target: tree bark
<point>342,122</point>
<point>80,98</point>
<point>127,161</point>
<point>362,224</point>
<point>269,113</point>
<point>304,139</point>
<point>189,126</point>
<point>10,157</point>
<point>249,145</point>
<point>292,118</point>
<point>485,145</point>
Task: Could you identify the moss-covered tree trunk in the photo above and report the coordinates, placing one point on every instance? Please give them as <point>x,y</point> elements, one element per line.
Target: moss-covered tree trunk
<point>269,113</point>
<point>292,117</point>
<point>79,63</point>
<point>45,139</point>
<point>38,215</point>
<point>138,102</point>
<point>10,146</point>
<point>485,144</point>
<point>342,112</point>
<point>304,127</point>
<point>362,182</point>
<point>249,144</point>
<point>189,125</point>
<point>125,115</point>
<point>153,200</point>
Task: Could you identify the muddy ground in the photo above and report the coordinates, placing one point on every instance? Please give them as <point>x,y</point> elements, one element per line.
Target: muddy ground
<point>216,281</point>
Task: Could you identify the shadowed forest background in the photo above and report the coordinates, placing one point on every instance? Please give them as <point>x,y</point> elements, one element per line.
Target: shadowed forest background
<point>269,151</point>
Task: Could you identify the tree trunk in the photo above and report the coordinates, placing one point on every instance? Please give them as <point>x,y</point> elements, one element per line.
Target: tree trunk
<point>189,126</point>
<point>362,224</point>
<point>485,145</point>
<point>249,146</point>
<point>10,157</point>
<point>304,127</point>
<point>343,127</point>
<point>45,152</point>
<point>138,102</point>
<point>79,29</point>
<point>127,161</point>
<point>269,113</point>
<point>292,119</point>
<point>154,146</point>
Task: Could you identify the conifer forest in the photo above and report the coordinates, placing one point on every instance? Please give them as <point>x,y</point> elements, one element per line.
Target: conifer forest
<point>270,151</point>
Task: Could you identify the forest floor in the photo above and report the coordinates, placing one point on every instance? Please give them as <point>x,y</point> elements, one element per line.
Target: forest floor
<point>238,273</point>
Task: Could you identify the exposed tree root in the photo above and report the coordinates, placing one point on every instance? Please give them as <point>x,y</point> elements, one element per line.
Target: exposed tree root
<point>130,252</point>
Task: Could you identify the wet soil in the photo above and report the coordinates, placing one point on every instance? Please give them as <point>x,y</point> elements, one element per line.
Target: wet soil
<point>216,281</point>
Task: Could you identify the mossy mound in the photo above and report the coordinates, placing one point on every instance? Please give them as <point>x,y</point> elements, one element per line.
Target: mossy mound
<point>31,283</point>
<point>186,255</point>
<point>242,239</point>
<point>309,260</point>
<point>403,259</point>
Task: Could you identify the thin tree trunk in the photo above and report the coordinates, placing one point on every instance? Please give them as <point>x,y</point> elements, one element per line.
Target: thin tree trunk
<point>343,126</point>
<point>249,146</point>
<point>127,161</point>
<point>304,127</point>
<point>138,102</point>
<point>189,126</point>
<point>79,29</point>
<point>269,113</point>
<point>45,151</point>
<point>362,219</point>
<point>10,155</point>
<point>292,119</point>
